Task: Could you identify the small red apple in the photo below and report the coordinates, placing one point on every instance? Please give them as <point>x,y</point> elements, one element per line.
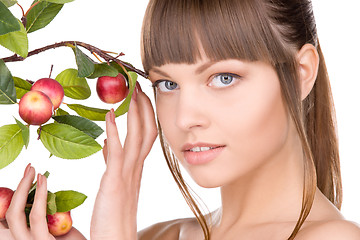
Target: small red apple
<point>112,89</point>
<point>59,223</point>
<point>5,199</point>
<point>35,108</point>
<point>52,88</point>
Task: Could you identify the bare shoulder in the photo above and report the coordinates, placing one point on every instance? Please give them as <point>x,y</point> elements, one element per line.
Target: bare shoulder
<point>169,230</point>
<point>331,230</point>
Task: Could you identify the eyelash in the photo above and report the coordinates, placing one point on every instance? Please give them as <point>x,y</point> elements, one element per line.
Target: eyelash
<point>234,77</point>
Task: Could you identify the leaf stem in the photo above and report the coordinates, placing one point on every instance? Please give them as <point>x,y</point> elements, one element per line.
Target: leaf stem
<point>97,57</point>
<point>22,9</point>
<point>39,133</point>
<point>31,7</point>
<point>23,18</point>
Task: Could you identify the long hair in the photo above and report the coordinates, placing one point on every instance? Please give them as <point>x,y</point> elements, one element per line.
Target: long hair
<point>252,30</point>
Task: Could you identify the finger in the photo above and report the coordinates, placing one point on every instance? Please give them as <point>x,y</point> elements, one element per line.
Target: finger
<point>15,215</point>
<point>149,131</point>
<point>134,135</point>
<point>148,124</point>
<point>114,147</point>
<point>37,216</point>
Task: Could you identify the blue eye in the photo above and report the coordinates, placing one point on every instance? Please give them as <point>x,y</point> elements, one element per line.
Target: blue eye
<point>223,79</point>
<point>165,85</point>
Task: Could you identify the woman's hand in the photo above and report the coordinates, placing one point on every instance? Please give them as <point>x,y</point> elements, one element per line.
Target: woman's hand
<point>15,226</point>
<point>115,209</point>
<point>15,216</point>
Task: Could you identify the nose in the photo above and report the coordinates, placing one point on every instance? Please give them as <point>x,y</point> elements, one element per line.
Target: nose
<point>191,111</point>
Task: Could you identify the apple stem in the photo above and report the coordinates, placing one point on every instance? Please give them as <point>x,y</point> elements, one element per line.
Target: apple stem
<point>51,69</point>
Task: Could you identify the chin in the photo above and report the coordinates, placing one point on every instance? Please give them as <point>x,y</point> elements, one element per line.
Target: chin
<point>205,178</point>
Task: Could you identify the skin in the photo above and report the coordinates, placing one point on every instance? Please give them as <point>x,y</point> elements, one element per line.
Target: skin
<point>262,189</point>
<point>119,189</point>
<point>15,226</point>
<point>260,167</point>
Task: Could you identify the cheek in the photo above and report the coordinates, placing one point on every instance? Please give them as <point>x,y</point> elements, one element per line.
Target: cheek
<point>259,125</point>
<point>165,113</point>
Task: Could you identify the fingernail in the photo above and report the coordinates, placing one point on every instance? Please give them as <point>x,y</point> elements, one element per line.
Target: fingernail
<point>138,86</point>
<point>27,170</point>
<point>39,180</point>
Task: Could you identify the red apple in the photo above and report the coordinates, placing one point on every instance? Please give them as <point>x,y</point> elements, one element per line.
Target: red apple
<point>112,89</point>
<point>59,223</point>
<point>5,199</point>
<point>35,108</point>
<point>52,88</point>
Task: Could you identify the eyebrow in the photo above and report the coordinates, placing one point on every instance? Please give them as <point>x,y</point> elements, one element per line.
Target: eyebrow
<point>160,72</point>
<point>199,70</point>
<point>203,67</point>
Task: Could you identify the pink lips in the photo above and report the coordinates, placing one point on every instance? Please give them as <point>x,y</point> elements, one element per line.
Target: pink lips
<point>201,157</point>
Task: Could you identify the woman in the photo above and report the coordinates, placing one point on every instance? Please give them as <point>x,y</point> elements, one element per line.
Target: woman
<point>243,103</point>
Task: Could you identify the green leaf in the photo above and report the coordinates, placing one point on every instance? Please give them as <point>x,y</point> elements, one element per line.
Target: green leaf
<point>67,200</point>
<point>11,144</point>
<point>21,87</point>
<point>85,125</point>
<point>61,112</point>
<point>124,107</point>
<point>67,142</point>
<point>25,132</point>
<point>8,3</point>
<point>58,1</point>
<point>16,42</point>
<point>8,23</point>
<point>120,69</point>
<point>7,88</point>
<point>95,114</point>
<point>51,203</point>
<point>85,65</point>
<point>41,15</point>
<point>74,87</point>
<point>103,69</point>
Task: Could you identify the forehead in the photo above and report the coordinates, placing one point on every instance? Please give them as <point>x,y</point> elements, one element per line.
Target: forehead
<point>183,31</point>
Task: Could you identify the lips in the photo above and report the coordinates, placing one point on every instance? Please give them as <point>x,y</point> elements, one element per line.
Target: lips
<point>201,153</point>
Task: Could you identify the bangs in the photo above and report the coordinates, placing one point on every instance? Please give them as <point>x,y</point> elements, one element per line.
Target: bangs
<point>177,31</point>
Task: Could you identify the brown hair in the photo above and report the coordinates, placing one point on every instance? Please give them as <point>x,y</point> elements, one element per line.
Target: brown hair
<point>252,30</point>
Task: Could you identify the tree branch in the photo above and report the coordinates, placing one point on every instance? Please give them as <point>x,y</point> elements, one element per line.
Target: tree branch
<point>101,53</point>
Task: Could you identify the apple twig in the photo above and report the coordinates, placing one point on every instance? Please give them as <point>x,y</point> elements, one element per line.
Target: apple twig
<point>103,54</point>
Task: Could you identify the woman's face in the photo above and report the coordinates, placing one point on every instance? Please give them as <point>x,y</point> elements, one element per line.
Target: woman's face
<point>223,120</point>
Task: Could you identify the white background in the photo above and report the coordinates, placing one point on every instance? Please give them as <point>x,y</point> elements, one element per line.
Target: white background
<point>115,26</point>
